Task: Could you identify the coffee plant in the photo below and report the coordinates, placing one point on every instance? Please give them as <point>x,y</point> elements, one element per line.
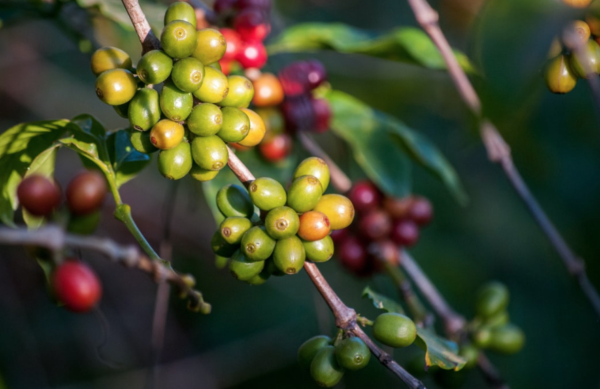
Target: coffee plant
<point>294,172</point>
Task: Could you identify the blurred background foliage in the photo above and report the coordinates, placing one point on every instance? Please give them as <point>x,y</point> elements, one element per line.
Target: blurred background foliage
<point>251,337</point>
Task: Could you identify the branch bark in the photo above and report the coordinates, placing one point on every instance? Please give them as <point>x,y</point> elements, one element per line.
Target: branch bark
<point>54,238</point>
<point>499,151</point>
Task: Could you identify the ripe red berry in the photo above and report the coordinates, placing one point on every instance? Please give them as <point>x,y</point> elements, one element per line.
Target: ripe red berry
<point>298,113</point>
<point>421,211</point>
<point>234,44</point>
<point>252,25</point>
<point>338,236</point>
<point>353,256</point>
<point>276,147</point>
<point>86,193</point>
<point>364,195</point>
<point>222,6</point>
<point>375,225</point>
<point>316,74</point>
<point>252,55</point>
<point>76,285</point>
<point>38,195</point>
<point>405,232</point>
<point>225,66</point>
<point>322,115</point>
<point>398,208</point>
<point>294,79</point>
<point>384,251</point>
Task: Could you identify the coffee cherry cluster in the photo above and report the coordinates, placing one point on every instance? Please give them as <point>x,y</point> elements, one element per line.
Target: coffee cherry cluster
<point>383,225</point>
<point>293,226</point>
<point>565,67</point>
<point>248,25</point>
<point>41,197</point>
<point>491,328</point>
<point>198,109</point>
<point>327,359</point>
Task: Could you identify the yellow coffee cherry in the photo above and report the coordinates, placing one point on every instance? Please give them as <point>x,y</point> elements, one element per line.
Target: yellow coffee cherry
<point>257,129</point>
<point>107,58</point>
<point>577,3</point>
<point>166,134</point>
<point>559,76</point>
<point>116,86</point>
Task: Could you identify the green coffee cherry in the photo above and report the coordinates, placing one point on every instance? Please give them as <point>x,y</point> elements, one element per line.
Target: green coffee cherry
<point>205,120</point>
<point>324,369</point>
<point>499,319</point>
<point>210,46</point>
<point>116,86</point>
<point>236,125</point>
<point>352,354</point>
<point>175,104</point>
<point>215,65</point>
<point>180,10</point>
<point>319,250</point>
<point>394,329</point>
<point>315,167</point>
<point>470,353</point>
<point>202,175</point>
<point>310,348</point>
<point>289,255</point>
<point>233,228</point>
<point>141,141</point>
<point>210,152</point>
<point>233,200</point>
<point>242,269</point>
<point>491,299</point>
<point>221,262</point>
<point>304,193</point>
<point>178,39</point>
<point>144,110</point>
<point>257,245</point>
<point>122,110</point>
<point>221,247</point>
<point>154,67</point>
<point>282,222</point>
<point>590,60</point>
<point>188,74</point>
<point>214,88</point>
<point>482,337</point>
<point>107,58</point>
<point>559,77</point>
<point>260,278</point>
<point>175,163</point>
<point>506,339</point>
<point>241,92</point>
<point>266,193</point>
<point>272,268</point>
<point>83,224</point>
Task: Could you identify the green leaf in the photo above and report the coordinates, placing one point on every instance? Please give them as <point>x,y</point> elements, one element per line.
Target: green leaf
<point>19,146</point>
<point>439,351</point>
<point>115,11</point>
<point>43,165</point>
<point>382,302</point>
<point>407,44</point>
<point>127,162</point>
<point>353,118</point>
<point>375,149</point>
<point>92,131</point>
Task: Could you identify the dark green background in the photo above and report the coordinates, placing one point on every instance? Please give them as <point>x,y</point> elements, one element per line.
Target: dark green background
<point>252,335</point>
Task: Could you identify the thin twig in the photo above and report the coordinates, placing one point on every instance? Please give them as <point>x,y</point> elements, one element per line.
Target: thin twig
<point>499,152</point>
<point>55,239</point>
<point>490,373</point>
<point>142,27</point>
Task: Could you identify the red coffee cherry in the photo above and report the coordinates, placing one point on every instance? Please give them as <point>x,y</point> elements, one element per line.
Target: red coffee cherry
<point>38,195</point>
<point>405,232</point>
<point>375,225</point>
<point>421,211</point>
<point>252,25</point>
<point>276,147</point>
<point>77,286</point>
<point>398,208</point>
<point>322,115</point>
<point>364,195</point>
<point>86,193</point>
<point>234,44</point>
<point>384,251</point>
<point>294,79</point>
<point>338,236</point>
<point>298,113</point>
<point>316,74</point>
<point>252,55</point>
<point>353,256</point>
